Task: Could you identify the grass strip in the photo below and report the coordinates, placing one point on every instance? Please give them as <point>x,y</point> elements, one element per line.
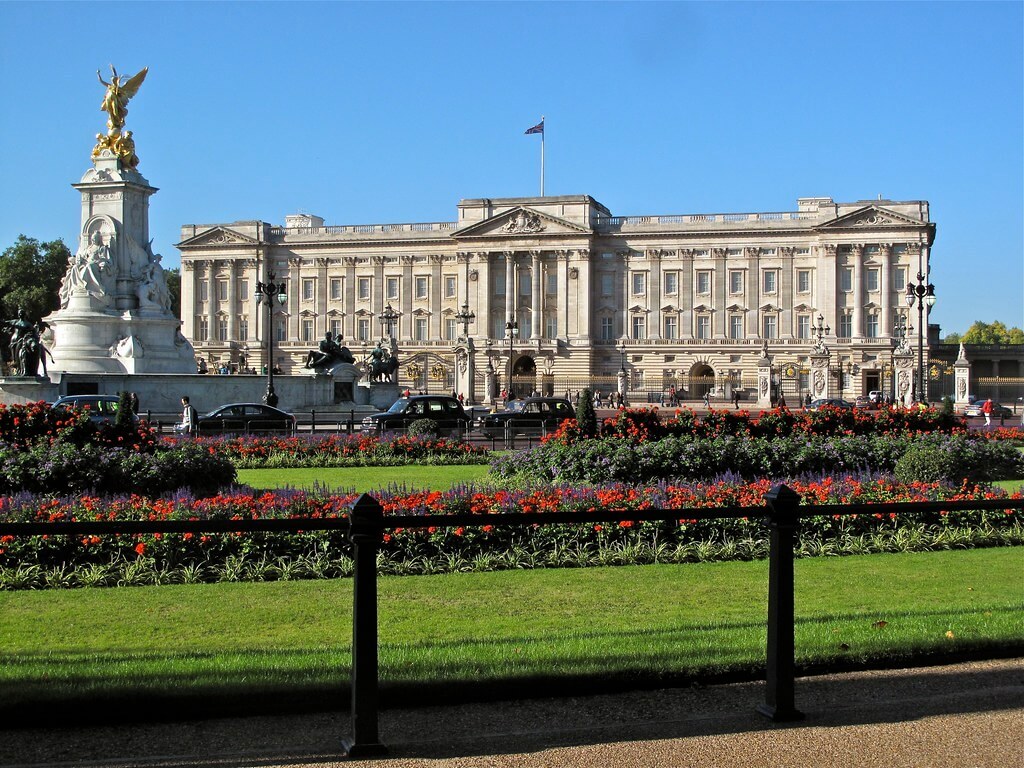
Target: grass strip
<point>194,651</point>
<point>365,479</point>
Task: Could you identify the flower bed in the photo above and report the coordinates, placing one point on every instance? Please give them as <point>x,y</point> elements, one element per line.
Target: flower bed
<point>69,561</point>
<point>343,451</point>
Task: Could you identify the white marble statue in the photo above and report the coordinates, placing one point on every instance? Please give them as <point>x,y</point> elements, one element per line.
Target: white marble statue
<point>90,271</point>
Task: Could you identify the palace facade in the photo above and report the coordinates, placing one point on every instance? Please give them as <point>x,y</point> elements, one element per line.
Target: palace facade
<point>690,301</point>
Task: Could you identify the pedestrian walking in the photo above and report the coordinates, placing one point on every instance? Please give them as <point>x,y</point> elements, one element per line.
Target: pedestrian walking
<point>707,399</point>
<point>986,410</point>
<point>736,399</point>
<point>189,417</point>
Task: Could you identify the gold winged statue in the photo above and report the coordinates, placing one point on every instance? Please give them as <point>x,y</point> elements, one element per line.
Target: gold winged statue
<point>115,104</point>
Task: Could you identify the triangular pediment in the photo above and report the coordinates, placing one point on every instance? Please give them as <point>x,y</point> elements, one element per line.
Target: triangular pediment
<point>872,216</point>
<point>802,308</point>
<point>217,236</point>
<point>521,221</point>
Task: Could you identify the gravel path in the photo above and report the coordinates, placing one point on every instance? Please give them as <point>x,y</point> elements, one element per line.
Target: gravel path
<point>964,715</point>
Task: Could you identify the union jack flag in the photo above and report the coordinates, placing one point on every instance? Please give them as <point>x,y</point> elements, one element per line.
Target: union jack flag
<point>538,128</point>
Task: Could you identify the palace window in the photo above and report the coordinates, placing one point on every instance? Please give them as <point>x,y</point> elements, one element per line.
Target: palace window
<point>671,327</point>
<point>899,279</point>
<point>769,327</point>
<point>391,286</point>
<point>703,282</point>
<point>845,330</point>
<point>222,329</point>
<point>846,279</point>
<point>735,282</point>
<point>606,284</point>
<point>363,329</point>
<point>735,326</point>
<point>222,290</point>
<point>552,282</point>
<point>363,288</point>
<point>336,328</point>
<point>499,285</point>
<point>871,326</point>
<point>671,283</point>
<point>525,284</point>
<point>871,279</point>
<point>639,280</point>
<point>551,327</point>
<point>450,330</point>
<point>770,281</point>
<point>243,290</point>
<point>803,326</point>
<point>307,330</point>
<point>243,328</point>
<point>203,329</point>
<point>280,331</point>
<point>421,287</point>
<point>204,291</point>
<point>420,329</point>
<point>703,326</point>
<point>307,289</point>
<point>803,281</point>
<point>639,327</point>
<point>335,289</point>
<point>449,286</point>
<point>607,329</point>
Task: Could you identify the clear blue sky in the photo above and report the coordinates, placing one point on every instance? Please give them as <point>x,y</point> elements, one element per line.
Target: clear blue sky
<point>392,112</point>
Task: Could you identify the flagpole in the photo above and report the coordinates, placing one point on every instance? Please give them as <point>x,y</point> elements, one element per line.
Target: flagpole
<point>542,156</point>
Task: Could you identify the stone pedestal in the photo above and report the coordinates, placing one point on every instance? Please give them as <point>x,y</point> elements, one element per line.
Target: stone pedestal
<point>821,380</point>
<point>114,314</point>
<point>961,378</point>
<point>622,382</point>
<point>490,383</point>
<point>904,394</point>
<point>380,396</point>
<point>465,370</point>
<point>764,382</point>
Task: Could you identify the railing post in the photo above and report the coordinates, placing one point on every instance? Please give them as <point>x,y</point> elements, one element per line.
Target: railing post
<point>779,703</point>
<point>351,421</point>
<point>366,535</point>
<point>312,421</point>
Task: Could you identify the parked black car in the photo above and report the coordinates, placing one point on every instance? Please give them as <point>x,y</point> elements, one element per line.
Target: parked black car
<point>530,416</point>
<point>447,411</point>
<point>101,408</point>
<point>835,402</point>
<point>245,418</point>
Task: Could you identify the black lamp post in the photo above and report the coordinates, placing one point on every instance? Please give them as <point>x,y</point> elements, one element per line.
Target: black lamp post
<point>265,294</point>
<point>622,356</point>
<point>924,294</point>
<point>388,316</point>
<point>820,329</point>
<point>511,331</point>
<point>465,317</point>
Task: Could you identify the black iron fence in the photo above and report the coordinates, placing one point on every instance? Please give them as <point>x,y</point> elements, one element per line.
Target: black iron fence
<point>367,523</point>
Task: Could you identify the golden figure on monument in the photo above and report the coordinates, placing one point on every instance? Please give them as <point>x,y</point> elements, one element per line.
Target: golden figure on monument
<point>115,104</point>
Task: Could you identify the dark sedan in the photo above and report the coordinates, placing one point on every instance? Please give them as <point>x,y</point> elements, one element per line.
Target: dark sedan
<point>446,411</point>
<point>834,402</point>
<point>531,416</point>
<point>244,418</point>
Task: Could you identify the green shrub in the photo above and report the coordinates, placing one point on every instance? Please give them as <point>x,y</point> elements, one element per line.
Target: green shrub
<point>586,417</point>
<point>424,428</point>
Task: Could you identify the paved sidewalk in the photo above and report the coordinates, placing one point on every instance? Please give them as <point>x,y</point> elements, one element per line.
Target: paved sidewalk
<point>958,716</point>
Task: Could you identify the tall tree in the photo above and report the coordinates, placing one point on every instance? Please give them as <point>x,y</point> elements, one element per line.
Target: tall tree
<point>173,277</point>
<point>30,276</point>
<point>992,333</point>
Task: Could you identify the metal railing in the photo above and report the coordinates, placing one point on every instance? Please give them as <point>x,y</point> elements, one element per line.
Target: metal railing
<point>367,523</point>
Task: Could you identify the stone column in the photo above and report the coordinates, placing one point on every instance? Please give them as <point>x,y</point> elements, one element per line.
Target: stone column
<point>434,291</point>
<point>210,276</point>
<point>719,288</point>
<point>787,318</point>
<point>654,325</point>
<point>320,299</point>
<point>232,303</point>
<point>961,377</point>
<point>884,288</point>
<point>483,293</point>
<point>188,297</point>
<point>562,294</point>
<point>294,296</point>
<point>348,325</point>
<point>537,299</point>
<point>686,297</point>
<point>857,258</point>
<point>510,285</point>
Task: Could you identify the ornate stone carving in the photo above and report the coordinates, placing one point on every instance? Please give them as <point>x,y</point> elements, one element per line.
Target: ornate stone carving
<point>786,251</point>
<point>474,275</point>
<point>523,222</point>
<point>752,251</point>
<point>718,253</point>
<point>873,219</point>
<point>573,273</point>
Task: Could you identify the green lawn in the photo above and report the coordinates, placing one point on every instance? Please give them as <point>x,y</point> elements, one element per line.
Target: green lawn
<point>221,648</point>
<point>365,479</point>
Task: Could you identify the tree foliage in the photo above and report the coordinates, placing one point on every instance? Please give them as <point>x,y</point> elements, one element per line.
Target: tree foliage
<point>30,276</point>
<point>173,277</point>
<point>992,333</point>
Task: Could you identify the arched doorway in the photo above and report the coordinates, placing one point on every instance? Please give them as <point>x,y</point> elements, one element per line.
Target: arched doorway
<point>524,377</point>
<point>702,380</point>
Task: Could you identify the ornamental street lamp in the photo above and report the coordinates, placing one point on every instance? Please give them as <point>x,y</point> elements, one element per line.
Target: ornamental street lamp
<point>924,294</point>
<point>622,356</point>
<point>465,317</point>
<point>820,329</point>
<point>265,294</point>
<point>388,316</point>
<point>511,331</point>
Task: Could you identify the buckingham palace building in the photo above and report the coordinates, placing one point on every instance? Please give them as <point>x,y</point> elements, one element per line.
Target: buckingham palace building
<point>556,293</point>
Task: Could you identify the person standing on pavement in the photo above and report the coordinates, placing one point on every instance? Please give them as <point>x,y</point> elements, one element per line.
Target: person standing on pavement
<point>986,410</point>
<point>736,399</point>
<point>189,417</point>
